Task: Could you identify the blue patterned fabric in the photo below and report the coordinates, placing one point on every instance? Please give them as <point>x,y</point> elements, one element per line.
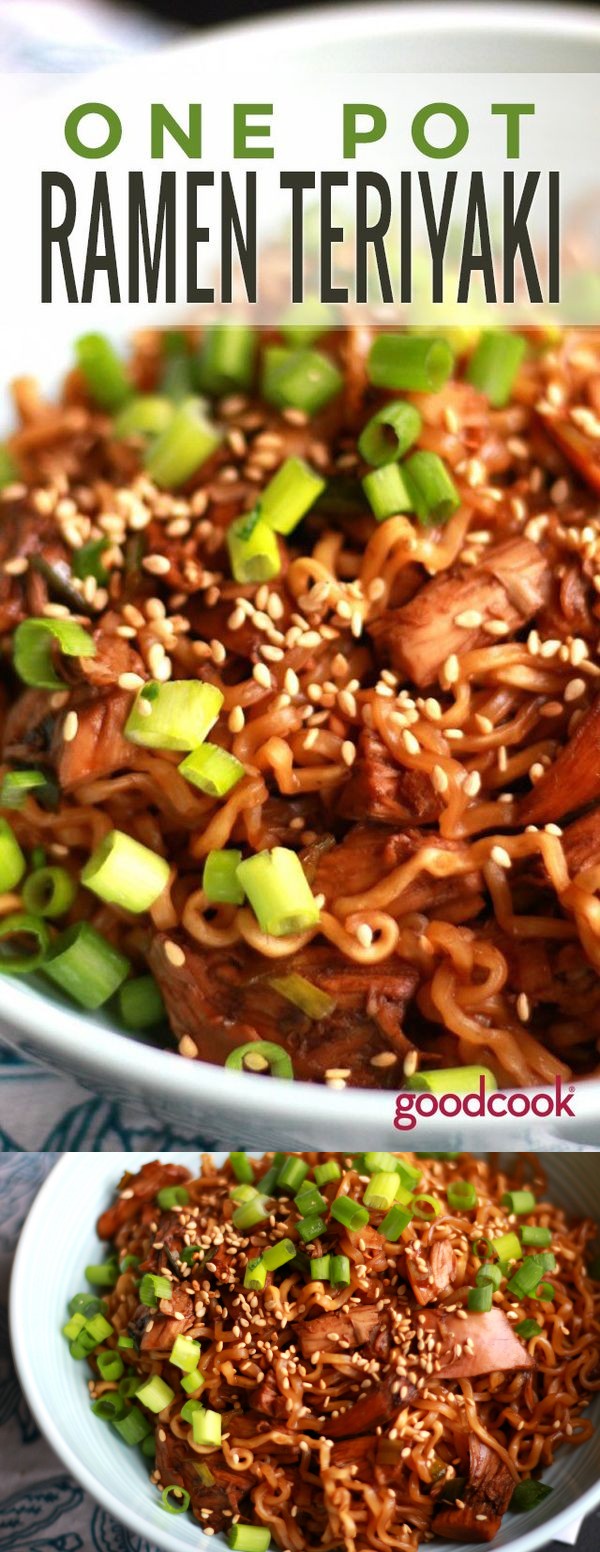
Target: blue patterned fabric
<point>42,1110</point>
<point>41,1508</point>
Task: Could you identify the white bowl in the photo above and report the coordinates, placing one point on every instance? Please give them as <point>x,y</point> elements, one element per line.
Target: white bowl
<point>59,1237</point>
<point>197,1099</point>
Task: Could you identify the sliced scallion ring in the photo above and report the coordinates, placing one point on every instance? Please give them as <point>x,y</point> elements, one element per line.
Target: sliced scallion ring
<point>32,649</point>
<point>271,1055</point>
<point>123,872</point>
<point>176,715</point>
<point>14,929</point>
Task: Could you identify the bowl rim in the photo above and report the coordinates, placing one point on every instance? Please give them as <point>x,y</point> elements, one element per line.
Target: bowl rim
<point>25,1257</point>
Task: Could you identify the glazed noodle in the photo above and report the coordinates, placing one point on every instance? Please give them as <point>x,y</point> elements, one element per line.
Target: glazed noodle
<point>385,635</point>
<point>339,1352</point>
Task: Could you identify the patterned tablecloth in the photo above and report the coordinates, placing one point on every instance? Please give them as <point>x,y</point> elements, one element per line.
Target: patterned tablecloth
<point>41,1508</point>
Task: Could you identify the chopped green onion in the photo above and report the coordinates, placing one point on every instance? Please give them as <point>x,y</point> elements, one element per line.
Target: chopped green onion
<point>73,1327</point>
<point>249,1214</point>
<point>389,433</point>
<point>145,415</point>
<point>374,1162</point>
<point>193,1382</point>
<point>527,1495</point>
<point>394,1223</point>
<point>125,1341</point>
<point>226,359</point>
<point>123,872</point>
<point>495,364</point>
<point>528,1328</point>
<point>269,1179</point>
<point>410,361</point>
<point>33,644</point>
<point>300,379</point>
<point>387,492</point>
<point>155,1394</point>
<point>182,713</point>
<point>279,892</point>
<point>291,1175</point>
<point>177,378</point>
<point>253,548</point>
<point>243,1192</point>
<point>172,1196</point>
<point>432,491</point>
<point>206,1427</point>
<point>289,495</point>
<point>99,1328</point>
<point>308,1199</point>
<point>110,1406</point>
<point>257,1055</point>
<point>381,1191</point>
<point>212,769</point>
<point>85,1304</point>
<point>148,1446</point>
<point>507,1247</point>
<point>278,1255</point>
<point>187,441</point>
<point>540,1238</point>
<point>188,1409</point>
<point>519,1201</point>
<point>410,1174</point>
<point>339,1272</point>
<point>462,1195</point>
<point>154,1287</point>
<point>38,857</point>
<point>309,998</point>
<point>134,1427</point>
<point>129,1261</point>
<point>325,1173</point>
<point>490,1273</point>
<point>353,1216</point>
<point>219,879</point>
<point>530,1273</point>
<point>546,1291</point>
<point>104,1275</point>
<point>320,1268</point>
<point>87,561</point>
<point>248,1538</point>
<point>181,1496</point>
<point>12,860</point>
<point>185,1354</point>
<point>455,1080</point>
<point>13,929</point>
<point>83,1345</point>
<point>9,472</point>
<point>480,1298</point>
<point>103,370</point>
<point>242,1168</point>
<point>188,1255</point>
<point>403,1195</point>
<point>110,1365</point>
<point>17,784</point>
<point>255,1275</point>
<point>49,892</point>
<point>85,965</point>
<point>311,1227</point>
<point>430,1201</point>
<point>140,1003</point>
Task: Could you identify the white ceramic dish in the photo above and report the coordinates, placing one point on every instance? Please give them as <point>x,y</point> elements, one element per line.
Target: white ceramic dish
<point>74,1194</point>
<point>197,1099</point>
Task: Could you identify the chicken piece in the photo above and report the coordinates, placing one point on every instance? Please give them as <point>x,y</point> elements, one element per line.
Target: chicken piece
<point>492,1343</point>
<point>378,788</point>
<point>485,1499</point>
<point>581,842</point>
<point>268,1399</point>
<point>34,733</point>
<point>176,1463</point>
<point>440,1275</point>
<point>224,998</point>
<point>142,1187</point>
<point>511,582</point>
<point>23,534</point>
<point>369,852</point>
<point>113,656</point>
<point>373,1408</point>
<point>339,1330</point>
<point>573,779</point>
<point>580,450</point>
<point>172,1318</point>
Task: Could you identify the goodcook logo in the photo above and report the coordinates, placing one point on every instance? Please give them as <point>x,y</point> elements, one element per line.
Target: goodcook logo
<point>411,1107</point>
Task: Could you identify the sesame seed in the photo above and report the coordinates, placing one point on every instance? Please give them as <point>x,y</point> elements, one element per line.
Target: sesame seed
<point>470,619</point>
<point>500,855</point>
<point>348,752</point>
<point>439,779</point>
<point>472,785</point>
<point>411,744</point>
<point>157,565</point>
<point>174,953</point>
<point>70,726</point>
<point>236,720</point>
<point>384,1059</point>
<point>130,681</point>
<point>255,1062</point>
<point>217,651</point>
<point>16,567</point>
<point>536,770</point>
<point>364,934</point>
<point>451,669</point>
